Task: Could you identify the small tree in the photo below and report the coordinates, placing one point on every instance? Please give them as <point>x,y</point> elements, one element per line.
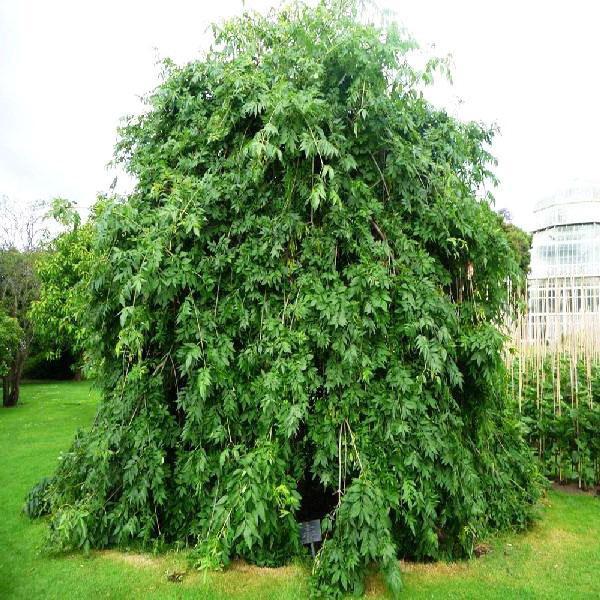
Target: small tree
<point>21,233</point>
<point>18,288</point>
<point>10,339</point>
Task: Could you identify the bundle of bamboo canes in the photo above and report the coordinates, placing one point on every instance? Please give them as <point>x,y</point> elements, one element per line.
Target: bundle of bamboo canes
<point>553,359</point>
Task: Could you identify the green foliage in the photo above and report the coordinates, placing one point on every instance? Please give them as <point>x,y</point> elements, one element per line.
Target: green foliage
<point>260,497</point>
<point>362,535</point>
<point>18,289</point>
<point>10,338</point>
<point>18,284</point>
<point>37,502</point>
<point>303,287</point>
<point>561,414</point>
<point>520,242</point>
<point>58,315</point>
<point>64,211</point>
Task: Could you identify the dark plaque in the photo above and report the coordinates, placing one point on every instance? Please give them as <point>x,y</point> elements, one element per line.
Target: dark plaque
<point>310,532</point>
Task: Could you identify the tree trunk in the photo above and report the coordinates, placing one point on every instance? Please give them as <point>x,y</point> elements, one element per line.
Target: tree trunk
<point>11,385</point>
<point>10,393</point>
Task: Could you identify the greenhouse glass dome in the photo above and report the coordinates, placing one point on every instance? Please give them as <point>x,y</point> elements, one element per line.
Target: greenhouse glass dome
<point>564,281</point>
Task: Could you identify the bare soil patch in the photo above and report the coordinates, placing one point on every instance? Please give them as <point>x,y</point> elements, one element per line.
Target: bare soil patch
<point>573,488</point>
<point>131,558</point>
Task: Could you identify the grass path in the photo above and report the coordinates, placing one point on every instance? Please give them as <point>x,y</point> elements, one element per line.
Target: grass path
<point>559,558</point>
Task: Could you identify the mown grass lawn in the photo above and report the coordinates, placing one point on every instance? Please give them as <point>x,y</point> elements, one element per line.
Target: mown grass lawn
<point>558,558</point>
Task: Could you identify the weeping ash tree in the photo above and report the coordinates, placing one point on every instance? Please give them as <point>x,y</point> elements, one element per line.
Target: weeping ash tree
<point>295,315</point>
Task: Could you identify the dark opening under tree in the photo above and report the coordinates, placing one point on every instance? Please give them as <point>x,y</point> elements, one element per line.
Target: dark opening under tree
<point>295,314</point>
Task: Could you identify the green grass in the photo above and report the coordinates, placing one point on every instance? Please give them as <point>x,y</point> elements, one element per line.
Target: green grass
<point>558,558</point>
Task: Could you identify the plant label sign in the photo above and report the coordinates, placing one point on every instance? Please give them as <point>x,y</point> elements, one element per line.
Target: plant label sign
<point>310,532</point>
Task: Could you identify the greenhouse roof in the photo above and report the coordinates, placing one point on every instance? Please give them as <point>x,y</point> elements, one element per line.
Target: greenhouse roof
<point>575,205</point>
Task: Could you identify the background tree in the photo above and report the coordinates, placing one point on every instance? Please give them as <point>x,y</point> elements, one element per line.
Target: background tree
<point>18,288</point>
<point>22,224</point>
<point>64,271</point>
<point>10,338</point>
<point>520,242</point>
<point>21,232</point>
<point>295,314</point>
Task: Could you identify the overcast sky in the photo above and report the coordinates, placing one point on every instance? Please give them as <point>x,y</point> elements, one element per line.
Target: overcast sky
<point>70,69</point>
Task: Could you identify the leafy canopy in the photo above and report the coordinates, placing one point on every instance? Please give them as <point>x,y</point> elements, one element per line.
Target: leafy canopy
<point>295,314</point>
<point>10,338</point>
<point>59,313</point>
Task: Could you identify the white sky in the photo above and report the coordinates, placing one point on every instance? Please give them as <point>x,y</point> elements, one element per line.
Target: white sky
<point>70,69</point>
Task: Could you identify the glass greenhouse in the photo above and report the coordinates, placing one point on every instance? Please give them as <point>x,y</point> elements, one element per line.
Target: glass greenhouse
<point>564,281</point>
